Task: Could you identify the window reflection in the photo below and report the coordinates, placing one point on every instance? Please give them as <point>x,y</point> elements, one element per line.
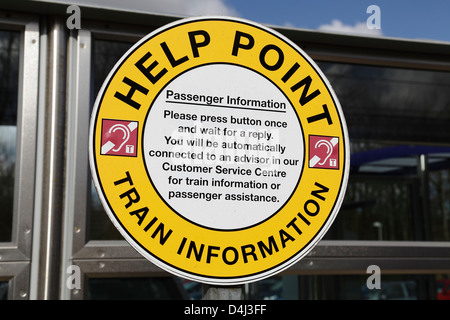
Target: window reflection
<point>440,204</point>
<point>390,197</point>
<point>9,70</point>
<point>395,117</point>
<point>161,288</point>
<point>105,55</point>
<point>286,287</point>
<point>375,209</point>
<point>354,287</point>
<point>3,290</point>
<point>100,227</point>
<point>443,287</point>
<point>382,103</point>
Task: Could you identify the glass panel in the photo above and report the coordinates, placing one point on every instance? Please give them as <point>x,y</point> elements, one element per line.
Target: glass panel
<point>3,290</point>
<point>375,210</point>
<point>274,288</point>
<point>9,70</point>
<point>354,287</point>
<point>104,56</point>
<point>393,115</point>
<point>380,201</point>
<point>443,287</point>
<point>161,288</point>
<point>383,103</point>
<point>440,204</point>
<point>398,120</point>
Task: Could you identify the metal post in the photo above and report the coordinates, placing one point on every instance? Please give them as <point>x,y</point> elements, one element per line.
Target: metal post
<point>52,185</point>
<point>210,292</point>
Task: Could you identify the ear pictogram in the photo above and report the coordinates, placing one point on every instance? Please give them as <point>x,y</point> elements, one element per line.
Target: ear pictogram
<point>119,137</point>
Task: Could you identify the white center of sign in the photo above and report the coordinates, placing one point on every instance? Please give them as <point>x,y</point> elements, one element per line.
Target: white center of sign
<point>223,147</point>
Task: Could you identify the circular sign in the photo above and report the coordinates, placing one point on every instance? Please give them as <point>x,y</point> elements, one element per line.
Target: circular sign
<point>219,150</point>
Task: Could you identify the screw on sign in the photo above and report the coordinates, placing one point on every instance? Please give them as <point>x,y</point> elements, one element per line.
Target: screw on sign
<point>219,150</point>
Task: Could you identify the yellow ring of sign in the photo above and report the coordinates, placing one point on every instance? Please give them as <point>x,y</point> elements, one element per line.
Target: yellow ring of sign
<point>134,205</point>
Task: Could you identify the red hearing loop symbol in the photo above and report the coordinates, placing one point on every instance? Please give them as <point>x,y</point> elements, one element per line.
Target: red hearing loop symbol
<point>323,152</point>
<point>119,137</point>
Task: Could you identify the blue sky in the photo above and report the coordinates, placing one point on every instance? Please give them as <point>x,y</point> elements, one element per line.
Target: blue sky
<point>413,19</point>
<point>399,18</point>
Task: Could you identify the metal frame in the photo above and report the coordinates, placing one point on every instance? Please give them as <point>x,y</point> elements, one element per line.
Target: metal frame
<point>89,256</point>
<point>77,182</point>
<point>32,265</point>
<point>16,255</point>
<point>118,259</point>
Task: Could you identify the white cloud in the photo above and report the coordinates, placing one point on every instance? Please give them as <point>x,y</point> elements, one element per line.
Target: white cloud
<point>288,24</point>
<point>359,28</point>
<point>187,7</point>
<point>174,7</point>
<point>205,7</point>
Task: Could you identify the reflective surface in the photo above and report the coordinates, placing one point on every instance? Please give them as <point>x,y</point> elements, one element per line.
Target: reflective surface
<point>3,290</point>
<point>105,55</point>
<point>392,104</point>
<point>9,70</point>
<point>439,186</point>
<point>398,120</point>
<point>163,288</point>
<point>385,287</point>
